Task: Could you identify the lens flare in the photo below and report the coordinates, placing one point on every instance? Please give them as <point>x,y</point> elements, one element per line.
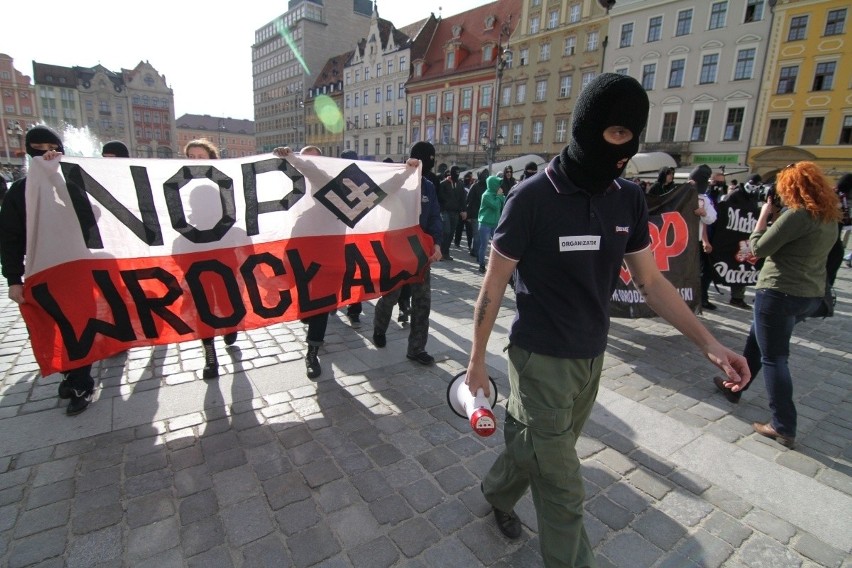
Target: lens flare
<point>328,113</point>
<point>284,31</point>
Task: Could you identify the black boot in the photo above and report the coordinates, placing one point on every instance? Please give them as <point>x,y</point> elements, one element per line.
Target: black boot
<point>230,338</point>
<point>312,362</point>
<point>211,364</point>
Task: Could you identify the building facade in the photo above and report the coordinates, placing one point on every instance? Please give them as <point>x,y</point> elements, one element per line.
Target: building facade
<point>152,109</point>
<point>557,48</point>
<point>375,95</point>
<point>701,64</point>
<point>17,112</point>
<point>287,56</point>
<point>805,108</point>
<point>234,137</point>
<point>452,85</point>
<point>324,120</point>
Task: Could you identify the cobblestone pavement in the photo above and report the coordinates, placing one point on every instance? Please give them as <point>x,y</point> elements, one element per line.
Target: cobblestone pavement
<point>367,467</point>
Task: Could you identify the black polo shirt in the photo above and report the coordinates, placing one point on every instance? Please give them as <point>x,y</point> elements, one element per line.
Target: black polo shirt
<point>569,246</point>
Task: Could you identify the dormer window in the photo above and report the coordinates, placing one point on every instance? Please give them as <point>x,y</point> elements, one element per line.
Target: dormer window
<point>457,30</point>
<point>451,60</point>
<point>489,22</point>
<point>488,53</point>
<point>418,69</point>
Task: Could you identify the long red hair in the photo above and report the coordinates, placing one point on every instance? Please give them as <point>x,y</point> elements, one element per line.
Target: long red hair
<point>803,186</point>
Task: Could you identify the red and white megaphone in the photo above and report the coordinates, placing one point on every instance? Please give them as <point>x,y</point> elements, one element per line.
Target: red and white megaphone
<point>477,408</point>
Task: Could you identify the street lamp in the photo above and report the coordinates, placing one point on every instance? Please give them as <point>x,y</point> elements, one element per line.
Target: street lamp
<point>14,129</point>
<point>495,141</point>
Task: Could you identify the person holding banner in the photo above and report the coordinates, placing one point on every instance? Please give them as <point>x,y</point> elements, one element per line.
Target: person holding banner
<point>203,149</point>
<point>421,292</point>
<point>564,235</point>
<point>77,384</point>
<point>794,236</point>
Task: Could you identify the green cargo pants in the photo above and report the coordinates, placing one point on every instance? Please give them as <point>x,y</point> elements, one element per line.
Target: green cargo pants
<point>550,400</point>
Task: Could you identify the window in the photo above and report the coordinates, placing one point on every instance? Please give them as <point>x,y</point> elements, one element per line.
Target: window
<point>744,68</point>
<point>649,72</point>
<point>565,86</point>
<point>623,70</point>
<point>366,99</point>
<point>676,73</point>
<point>669,124</point>
<point>655,28</point>
<point>483,129</point>
<point>592,41</point>
<point>400,91</point>
<point>399,145</point>
<point>416,106</point>
<point>626,35</point>
<point>390,66</point>
<point>400,116</point>
<point>448,102</point>
<point>535,24</point>
<point>824,76</point>
<point>812,132</point>
<point>777,128</point>
<point>506,96</point>
<point>466,99</point>
<point>846,131</point>
<point>389,93</point>
<point>541,90</point>
<point>574,13</point>
<point>415,134</point>
<point>552,19</point>
<point>734,123</point>
<point>561,130</point>
<point>366,78</point>
<point>544,52</point>
<point>525,56</point>
<point>402,63</point>
<point>378,94</point>
<point>388,145</point>
<point>464,134</point>
<point>709,67</point>
<point>366,120</point>
<point>521,93</point>
<point>537,131</point>
<point>378,69</point>
<point>699,126</point>
<point>587,78</point>
<point>517,133</point>
<point>718,14</point>
<point>451,59</point>
<point>570,45</point>
<point>835,22</point>
<point>798,28</point>
<point>379,119</point>
<point>485,96</point>
<point>754,11</point>
<point>787,80</point>
<point>446,131</point>
<point>431,104</point>
<point>684,23</point>
<point>366,147</point>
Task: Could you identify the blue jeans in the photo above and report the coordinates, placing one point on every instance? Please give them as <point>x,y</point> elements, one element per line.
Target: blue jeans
<point>484,236</point>
<point>768,347</point>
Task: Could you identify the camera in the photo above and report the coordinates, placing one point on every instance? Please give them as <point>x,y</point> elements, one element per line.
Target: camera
<point>767,194</point>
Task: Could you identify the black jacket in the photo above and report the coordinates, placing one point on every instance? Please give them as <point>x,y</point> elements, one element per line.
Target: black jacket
<point>474,199</point>
<point>13,232</point>
<point>451,195</point>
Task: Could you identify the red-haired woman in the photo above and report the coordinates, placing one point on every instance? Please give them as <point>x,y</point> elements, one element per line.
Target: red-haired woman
<point>794,234</point>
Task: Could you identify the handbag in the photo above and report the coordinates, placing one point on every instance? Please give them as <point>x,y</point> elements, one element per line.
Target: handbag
<point>825,309</point>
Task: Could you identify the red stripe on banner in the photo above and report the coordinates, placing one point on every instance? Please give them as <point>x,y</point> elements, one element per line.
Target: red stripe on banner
<point>113,304</point>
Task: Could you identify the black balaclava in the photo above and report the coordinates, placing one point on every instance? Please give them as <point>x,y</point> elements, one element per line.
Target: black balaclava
<point>701,177</point>
<point>349,155</point>
<point>844,184</point>
<point>42,135</point>
<point>610,99</point>
<point>454,173</point>
<point>116,148</point>
<point>425,152</point>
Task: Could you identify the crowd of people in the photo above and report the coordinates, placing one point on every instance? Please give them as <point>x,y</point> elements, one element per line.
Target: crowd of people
<point>561,235</point>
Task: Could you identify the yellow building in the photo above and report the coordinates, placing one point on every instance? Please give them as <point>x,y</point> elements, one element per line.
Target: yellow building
<point>805,108</point>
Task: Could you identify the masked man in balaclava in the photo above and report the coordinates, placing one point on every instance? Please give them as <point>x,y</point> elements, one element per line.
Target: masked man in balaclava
<point>421,292</point>
<point>77,384</point>
<point>564,235</point>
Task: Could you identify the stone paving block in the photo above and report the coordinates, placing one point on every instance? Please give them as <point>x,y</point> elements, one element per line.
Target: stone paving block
<point>235,485</point>
<point>652,461</point>
<point>811,547</point>
<point>320,472</point>
<point>770,525</point>
<point>202,535</point>
<point>95,548</point>
<point>268,552</point>
<point>198,506</point>
<point>146,464</point>
<point>146,483</point>
<point>337,495</point>
<point>378,553</point>
<point>403,473</point>
<point>285,489</point>
<point>615,461</point>
<point>685,508</point>
<point>37,520</point>
<point>33,457</point>
<point>186,457</point>
<point>414,536</point>
<point>651,483</point>
<point>226,460</point>
<point>312,546</point>
<point>455,479</point>
<point>598,474</point>
<point>392,509</point>
<point>690,481</point>
<point>306,453</point>
<point>353,525</point>
<point>613,515</point>
<point>148,540</point>
<point>246,521</point>
<point>660,529</point>
<point>628,497</point>
<point>36,548</point>
<point>437,458</point>
<point>836,479</point>
<point>705,549</point>
<point>762,552</point>
<point>219,557</point>
<point>299,516</point>
<point>99,478</point>
<point>727,528</point>
<point>93,519</point>
<point>422,495</point>
<point>727,502</point>
<point>629,549</point>
<point>47,494</point>
<point>53,471</point>
<point>166,559</point>
<point>11,495</point>
<point>450,516</point>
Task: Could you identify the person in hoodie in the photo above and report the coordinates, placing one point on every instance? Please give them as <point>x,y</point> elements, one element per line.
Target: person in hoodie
<point>564,234</point>
<point>115,149</point>
<point>706,214</point>
<point>421,292</point>
<point>77,385</point>
<point>665,182</point>
<point>489,215</point>
<point>451,198</point>
<point>474,200</point>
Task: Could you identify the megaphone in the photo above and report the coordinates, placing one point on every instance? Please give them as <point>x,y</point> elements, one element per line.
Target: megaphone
<point>477,409</point>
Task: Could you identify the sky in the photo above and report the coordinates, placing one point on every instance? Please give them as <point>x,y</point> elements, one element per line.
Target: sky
<point>190,43</point>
